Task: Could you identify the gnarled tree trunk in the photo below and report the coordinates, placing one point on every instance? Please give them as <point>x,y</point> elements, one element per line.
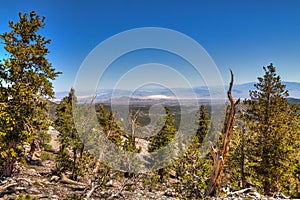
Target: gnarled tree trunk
<point>219,153</point>
<point>8,167</point>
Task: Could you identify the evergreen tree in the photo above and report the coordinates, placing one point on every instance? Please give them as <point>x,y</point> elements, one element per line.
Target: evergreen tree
<point>81,147</point>
<point>25,78</point>
<point>164,136</point>
<point>41,121</point>
<point>68,136</point>
<point>110,126</point>
<point>191,169</point>
<point>274,131</point>
<point>121,137</point>
<point>238,171</point>
<point>166,133</point>
<point>203,126</point>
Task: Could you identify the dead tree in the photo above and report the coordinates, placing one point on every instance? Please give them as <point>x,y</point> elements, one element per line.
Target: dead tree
<point>133,123</point>
<point>219,153</point>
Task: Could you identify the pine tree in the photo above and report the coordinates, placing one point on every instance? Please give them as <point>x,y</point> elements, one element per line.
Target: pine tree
<point>25,78</point>
<point>204,122</point>
<point>110,126</point>
<point>164,136</point>
<point>238,170</point>
<point>121,137</point>
<point>81,142</point>
<point>191,169</point>
<point>41,121</point>
<point>274,131</point>
<point>68,136</point>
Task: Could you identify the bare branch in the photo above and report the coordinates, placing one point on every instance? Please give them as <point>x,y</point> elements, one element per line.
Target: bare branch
<point>219,153</point>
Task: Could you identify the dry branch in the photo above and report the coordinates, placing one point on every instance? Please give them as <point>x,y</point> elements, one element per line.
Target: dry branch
<point>219,153</point>
<point>89,193</point>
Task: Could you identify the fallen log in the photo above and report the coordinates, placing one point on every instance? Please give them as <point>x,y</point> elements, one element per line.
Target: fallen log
<point>89,194</point>
<point>66,180</point>
<point>244,193</point>
<point>3,188</point>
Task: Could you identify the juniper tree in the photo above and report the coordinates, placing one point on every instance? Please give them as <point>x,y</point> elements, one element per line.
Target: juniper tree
<point>25,80</point>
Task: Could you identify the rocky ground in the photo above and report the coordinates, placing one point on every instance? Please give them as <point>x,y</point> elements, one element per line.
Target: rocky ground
<point>38,180</point>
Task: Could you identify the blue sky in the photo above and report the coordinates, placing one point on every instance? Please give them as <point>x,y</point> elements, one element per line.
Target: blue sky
<point>242,35</point>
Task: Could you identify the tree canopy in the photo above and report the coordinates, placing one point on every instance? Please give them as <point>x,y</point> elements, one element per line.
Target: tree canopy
<point>25,78</point>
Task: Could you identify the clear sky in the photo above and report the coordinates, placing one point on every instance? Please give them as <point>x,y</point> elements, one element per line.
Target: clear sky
<point>242,35</point>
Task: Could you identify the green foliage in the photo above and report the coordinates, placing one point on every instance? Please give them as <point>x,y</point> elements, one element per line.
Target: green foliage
<point>44,139</point>
<point>77,141</point>
<point>70,143</point>
<point>203,126</point>
<point>264,153</point>
<point>129,145</point>
<point>25,83</point>
<point>238,165</point>
<point>297,172</point>
<point>46,156</point>
<point>110,126</point>
<point>26,197</point>
<point>272,133</point>
<point>47,147</point>
<point>165,133</point>
<point>192,170</point>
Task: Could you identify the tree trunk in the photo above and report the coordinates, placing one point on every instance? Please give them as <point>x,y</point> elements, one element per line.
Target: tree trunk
<point>74,175</point>
<point>219,153</point>
<point>81,151</point>
<point>65,179</point>
<point>243,179</point>
<point>34,146</point>
<point>267,187</point>
<point>9,162</point>
<point>161,174</point>
<point>8,167</point>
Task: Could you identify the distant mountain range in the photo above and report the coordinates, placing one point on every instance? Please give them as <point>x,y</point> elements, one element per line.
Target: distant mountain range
<point>201,92</point>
